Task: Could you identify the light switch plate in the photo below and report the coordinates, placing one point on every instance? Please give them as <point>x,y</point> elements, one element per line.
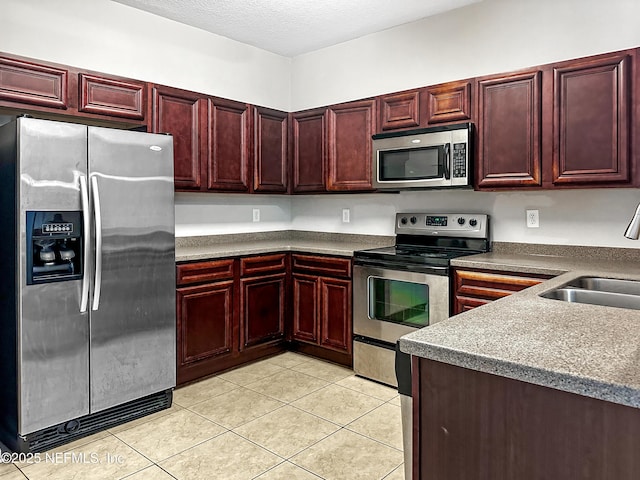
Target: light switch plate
<point>256,214</point>
<point>346,215</point>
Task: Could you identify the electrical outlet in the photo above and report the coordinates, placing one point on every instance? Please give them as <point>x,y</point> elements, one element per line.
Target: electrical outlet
<point>346,215</point>
<point>256,214</point>
<point>533,218</point>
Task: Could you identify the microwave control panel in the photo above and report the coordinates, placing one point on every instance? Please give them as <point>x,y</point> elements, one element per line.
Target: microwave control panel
<point>459,160</point>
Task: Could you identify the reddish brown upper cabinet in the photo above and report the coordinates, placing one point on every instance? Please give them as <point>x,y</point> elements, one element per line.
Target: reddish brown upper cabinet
<point>229,149</point>
<point>402,110</point>
<point>112,97</point>
<point>270,150</point>
<point>509,130</point>
<point>24,82</point>
<point>308,139</point>
<point>449,102</point>
<point>592,119</point>
<point>183,115</point>
<point>350,127</point>
<point>263,286</point>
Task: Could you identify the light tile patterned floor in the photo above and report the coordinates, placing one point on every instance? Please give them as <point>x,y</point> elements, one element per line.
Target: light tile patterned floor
<point>287,417</point>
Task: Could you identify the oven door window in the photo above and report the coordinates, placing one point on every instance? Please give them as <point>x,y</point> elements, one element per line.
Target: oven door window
<point>399,302</point>
<point>411,164</point>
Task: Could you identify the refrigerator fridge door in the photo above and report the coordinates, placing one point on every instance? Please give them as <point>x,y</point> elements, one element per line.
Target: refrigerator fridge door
<point>132,339</point>
<point>52,337</point>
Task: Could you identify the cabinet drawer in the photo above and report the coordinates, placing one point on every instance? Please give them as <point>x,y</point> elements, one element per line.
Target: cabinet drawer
<point>201,272</point>
<point>474,288</point>
<point>493,285</point>
<point>330,266</point>
<point>262,264</point>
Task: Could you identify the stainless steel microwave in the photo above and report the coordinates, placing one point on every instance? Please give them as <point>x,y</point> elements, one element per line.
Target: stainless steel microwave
<point>437,157</point>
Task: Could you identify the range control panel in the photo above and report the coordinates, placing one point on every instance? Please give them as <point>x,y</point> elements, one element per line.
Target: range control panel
<point>443,224</point>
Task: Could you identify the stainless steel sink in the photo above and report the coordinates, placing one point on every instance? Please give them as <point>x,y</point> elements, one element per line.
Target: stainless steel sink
<point>613,285</point>
<point>610,292</point>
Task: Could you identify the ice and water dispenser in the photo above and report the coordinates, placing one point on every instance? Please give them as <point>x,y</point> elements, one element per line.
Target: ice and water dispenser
<point>54,246</point>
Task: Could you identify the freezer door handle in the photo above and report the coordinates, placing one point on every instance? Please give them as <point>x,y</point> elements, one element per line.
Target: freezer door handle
<point>98,223</point>
<point>86,225</point>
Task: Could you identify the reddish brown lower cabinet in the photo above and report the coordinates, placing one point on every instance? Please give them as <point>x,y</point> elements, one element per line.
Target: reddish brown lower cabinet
<point>473,288</point>
<point>206,318</point>
<point>229,312</point>
<point>262,299</point>
<point>321,301</point>
<point>470,425</point>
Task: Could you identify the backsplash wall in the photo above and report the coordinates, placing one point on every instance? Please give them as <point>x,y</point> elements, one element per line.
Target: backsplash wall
<point>596,217</point>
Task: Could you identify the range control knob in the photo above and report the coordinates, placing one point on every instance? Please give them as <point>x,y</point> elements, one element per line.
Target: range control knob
<point>460,221</point>
<point>403,220</point>
<point>473,222</point>
<point>413,220</point>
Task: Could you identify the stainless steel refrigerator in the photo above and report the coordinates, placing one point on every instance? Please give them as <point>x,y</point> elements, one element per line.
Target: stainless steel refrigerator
<point>87,293</point>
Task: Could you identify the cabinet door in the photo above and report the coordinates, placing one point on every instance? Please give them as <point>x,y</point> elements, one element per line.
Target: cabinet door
<point>229,145</point>
<point>473,288</point>
<point>591,120</point>
<point>262,309</point>
<point>23,82</point>
<point>509,129</point>
<point>112,97</point>
<point>204,322</point>
<point>270,150</point>
<point>401,110</point>
<point>449,102</point>
<point>335,314</point>
<point>181,114</point>
<point>305,308</point>
<point>350,126</point>
<point>308,150</point>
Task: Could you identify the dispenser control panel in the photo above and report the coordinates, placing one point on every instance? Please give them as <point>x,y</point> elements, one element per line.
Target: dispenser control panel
<point>57,228</point>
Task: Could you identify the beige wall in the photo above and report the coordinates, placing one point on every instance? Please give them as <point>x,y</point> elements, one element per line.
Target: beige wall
<point>488,37</point>
<point>109,37</point>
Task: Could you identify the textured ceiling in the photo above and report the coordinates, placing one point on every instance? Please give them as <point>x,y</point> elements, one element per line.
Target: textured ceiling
<point>294,27</point>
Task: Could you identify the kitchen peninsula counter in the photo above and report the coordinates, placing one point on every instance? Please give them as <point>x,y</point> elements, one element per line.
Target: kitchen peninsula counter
<point>589,350</point>
<point>233,245</point>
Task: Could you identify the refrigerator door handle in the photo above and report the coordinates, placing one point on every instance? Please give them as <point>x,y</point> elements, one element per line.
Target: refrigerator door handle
<point>86,225</point>
<point>98,222</point>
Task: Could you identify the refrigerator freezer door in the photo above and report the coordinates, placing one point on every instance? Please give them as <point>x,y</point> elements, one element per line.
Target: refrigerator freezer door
<point>53,354</point>
<point>133,321</point>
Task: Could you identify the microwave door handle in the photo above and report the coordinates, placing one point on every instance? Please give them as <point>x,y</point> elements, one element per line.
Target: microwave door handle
<point>447,162</point>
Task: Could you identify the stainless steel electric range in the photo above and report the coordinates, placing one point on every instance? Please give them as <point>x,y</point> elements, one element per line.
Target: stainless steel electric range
<point>399,289</point>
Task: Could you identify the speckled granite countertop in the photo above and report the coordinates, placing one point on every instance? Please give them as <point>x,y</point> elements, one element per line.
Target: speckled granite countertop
<point>220,246</point>
<point>585,349</point>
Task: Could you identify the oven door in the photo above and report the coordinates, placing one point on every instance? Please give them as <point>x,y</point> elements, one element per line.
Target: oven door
<point>390,303</point>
